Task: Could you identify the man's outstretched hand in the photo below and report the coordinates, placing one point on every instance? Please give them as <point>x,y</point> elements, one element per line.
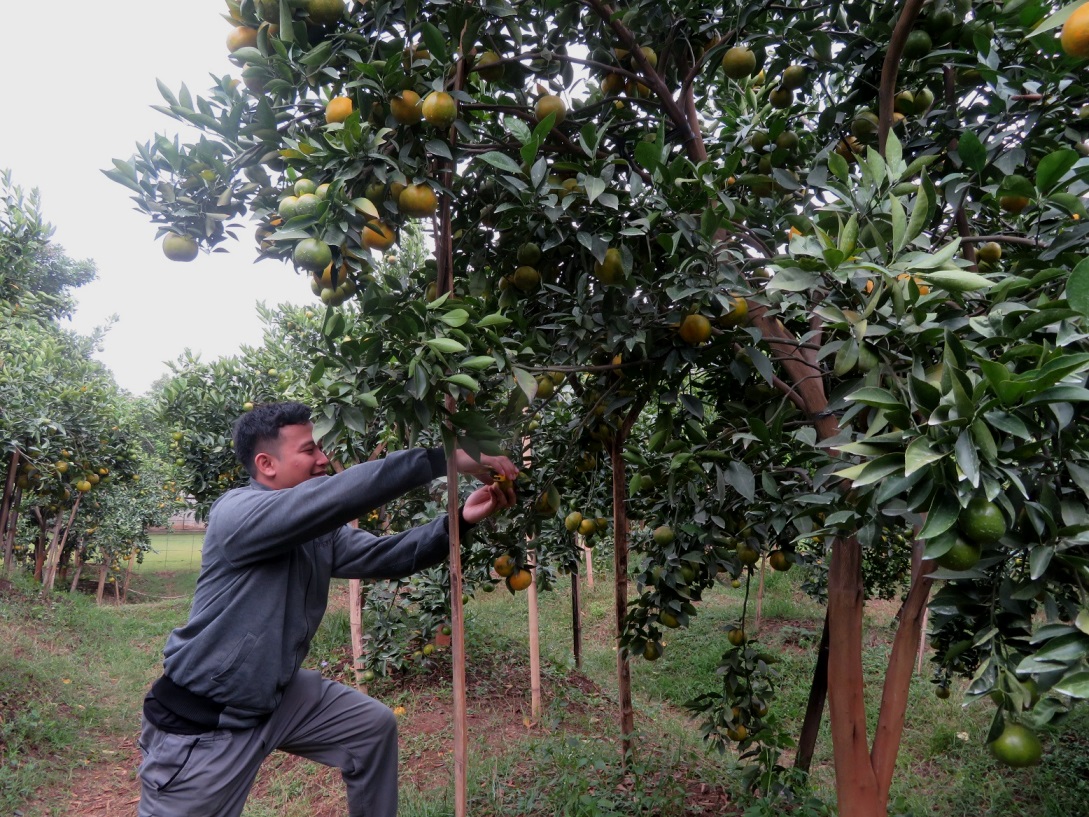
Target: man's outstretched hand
<point>499,472</point>
<point>487,500</point>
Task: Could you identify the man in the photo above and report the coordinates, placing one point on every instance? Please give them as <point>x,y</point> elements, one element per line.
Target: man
<point>232,690</point>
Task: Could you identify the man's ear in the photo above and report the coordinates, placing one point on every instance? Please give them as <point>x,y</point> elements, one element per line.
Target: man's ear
<point>266,465</point>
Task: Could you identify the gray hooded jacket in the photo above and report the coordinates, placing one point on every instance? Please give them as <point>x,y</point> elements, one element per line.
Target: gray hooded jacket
<point>263,588</point>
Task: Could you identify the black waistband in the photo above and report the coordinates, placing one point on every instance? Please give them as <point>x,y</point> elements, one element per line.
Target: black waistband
<point>191,711</point>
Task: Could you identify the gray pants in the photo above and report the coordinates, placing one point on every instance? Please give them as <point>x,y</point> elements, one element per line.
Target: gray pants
<point>210,775</point>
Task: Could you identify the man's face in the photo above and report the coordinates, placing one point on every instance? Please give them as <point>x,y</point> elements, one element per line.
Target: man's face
<point>296,457</point>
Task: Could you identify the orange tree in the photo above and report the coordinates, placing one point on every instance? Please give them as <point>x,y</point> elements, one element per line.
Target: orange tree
<point>61,414</point>
<point>834,249</point>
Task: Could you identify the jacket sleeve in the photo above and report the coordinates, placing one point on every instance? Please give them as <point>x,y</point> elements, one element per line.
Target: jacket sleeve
<point>255,523</point>
<point>358,554</point>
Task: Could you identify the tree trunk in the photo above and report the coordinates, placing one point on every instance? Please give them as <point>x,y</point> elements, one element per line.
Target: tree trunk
<point>56,547</point>
<point>8,536</point>
<point>857,790</point>
<point>78,568</point>
<point>103,569</point>
<point>890,721</point>
<point>5,508</point>
<point>814,709</point>
<point>620,581</point>
<point>39,545</point>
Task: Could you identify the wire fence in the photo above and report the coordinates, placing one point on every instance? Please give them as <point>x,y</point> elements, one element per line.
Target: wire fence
<point>172,552</point>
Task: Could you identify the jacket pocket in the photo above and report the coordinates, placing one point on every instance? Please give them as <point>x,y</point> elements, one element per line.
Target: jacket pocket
<point>236,658</point>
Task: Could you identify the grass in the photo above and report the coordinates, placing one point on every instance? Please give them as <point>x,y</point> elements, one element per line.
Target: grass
<point>72,676</point>
<point>172,552</point>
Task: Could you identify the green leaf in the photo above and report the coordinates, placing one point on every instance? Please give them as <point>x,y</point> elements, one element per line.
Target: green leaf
<point>477,363</point>
<point>836,163</point>
<point>1065,649</point>
<point>956,280</point>
<point>899,224</point>
<point>365,206</point>
<point>1053,167</point>
<point>436,43</point>
<point>876,397</point>
<point>919,454</point>
<point>368,399</point>
<point>455,317</point>
<point>464,381</point>
<point>967,457</point>
<point>920,214</point>
<point>446,346</point>
<point>1060,394</point>
<point>941,516</point>
<point>1082,621</point>
<point>971,151</point>
<point>495,319</point>
<point>1076,685</point>
<point>1039,559</point>
<point>1077,287</point>
<point>501,161</point>
<point>878,469</point>
<point>526,382</point>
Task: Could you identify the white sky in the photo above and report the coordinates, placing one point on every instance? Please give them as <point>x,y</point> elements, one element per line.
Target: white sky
<point>77,94</point>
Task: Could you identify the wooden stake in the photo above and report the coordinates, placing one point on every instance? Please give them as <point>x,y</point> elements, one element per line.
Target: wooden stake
<point>589,552</point>
<point>457,619</point>
<point>6,505</point>
<point>534,645</point>
<point>760,596</point>
<point>620,592</point>
<point>576,619</point>
<point>128,577</point>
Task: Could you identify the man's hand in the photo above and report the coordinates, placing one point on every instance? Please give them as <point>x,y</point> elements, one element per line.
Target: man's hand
<point>498,471</point>
<point>487,500</point>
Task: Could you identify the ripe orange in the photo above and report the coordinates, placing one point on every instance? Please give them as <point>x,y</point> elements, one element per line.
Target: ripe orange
<point>611,270</point>
<point>83,486</point>
<point>781,97</point>
<point>550,104</point>
<point>241,37</point>
<point>1075,36</point>
<point>180,247</point>
<point>1013,203</point>
<point>486,66</point>
<point>612,84</point>
<point>738,316</point>
<point>325,12</point>
<point>694,329</point>
<point>739,62</point>
<point>504,565</point>
<point>520,580</point>
<point>440,109</point>
<point>527,279</point>
<point>573,521</point>
<point>780,560</point>
<point>338,109</point>
<point>991,252</point>
<point>736,636</point>
<point>377,235</point>
<point>417,201</point>
<point>407,108</point>
<point>663,535</point>
<point>793,77</point>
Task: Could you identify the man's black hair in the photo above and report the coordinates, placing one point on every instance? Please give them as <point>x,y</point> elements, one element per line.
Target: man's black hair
<point>261,426</point>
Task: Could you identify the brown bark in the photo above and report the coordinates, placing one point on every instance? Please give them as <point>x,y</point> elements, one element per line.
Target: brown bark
<point>620,592</point>
<point>77,560</point>
<point>814,708</point>
<point>856,784</point>
<point>890,721</point>
<point>56,547</point>
<point>5,508</point>
<point>103,569</point>
<point>891,67</point>
<point>8,536</point>
<point>128,577</point>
